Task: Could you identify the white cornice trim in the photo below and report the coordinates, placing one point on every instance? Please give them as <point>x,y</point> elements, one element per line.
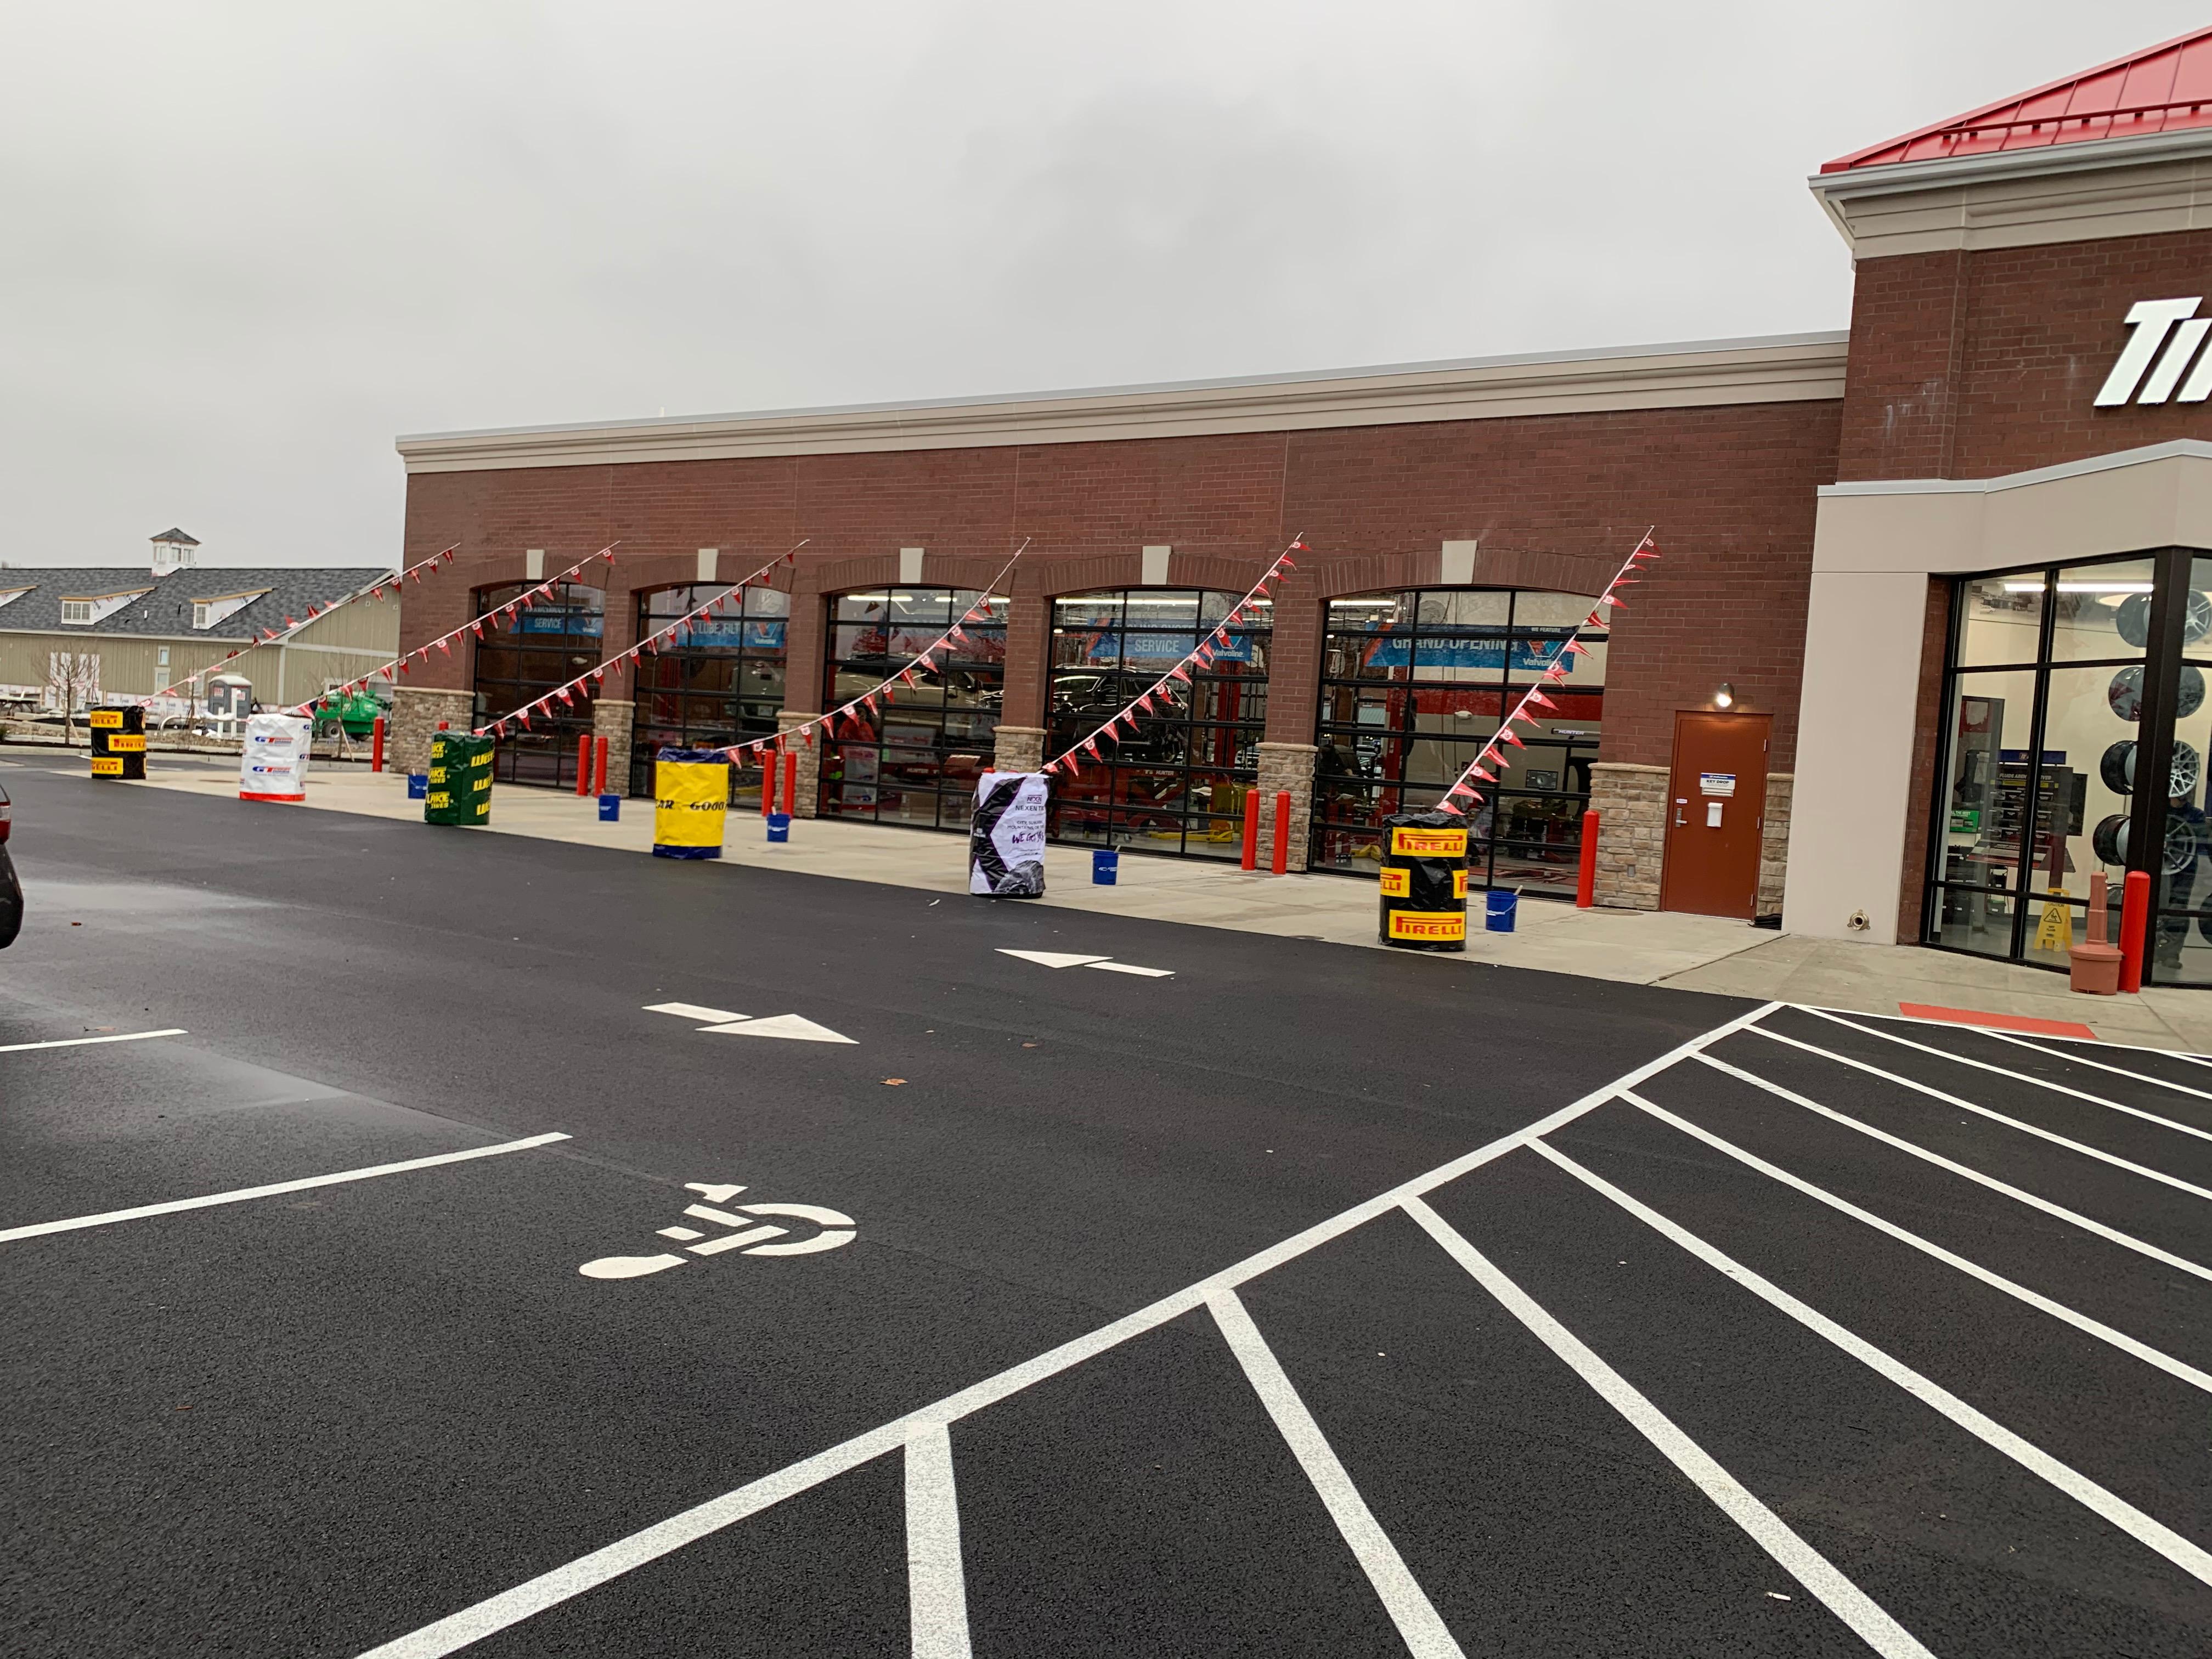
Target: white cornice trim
<point>2026,198</point>
<point>2196,448</point>
<point>1788,368</point>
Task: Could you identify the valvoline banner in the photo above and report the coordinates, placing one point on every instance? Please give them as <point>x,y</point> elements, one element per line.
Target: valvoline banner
<point>1530,656</point>
<point>1135,650</point>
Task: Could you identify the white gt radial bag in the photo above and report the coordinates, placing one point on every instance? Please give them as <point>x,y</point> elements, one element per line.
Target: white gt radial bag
<point>275,764</point>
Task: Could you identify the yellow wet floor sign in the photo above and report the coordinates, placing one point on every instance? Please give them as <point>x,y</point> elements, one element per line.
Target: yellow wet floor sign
<point>2055,930</point>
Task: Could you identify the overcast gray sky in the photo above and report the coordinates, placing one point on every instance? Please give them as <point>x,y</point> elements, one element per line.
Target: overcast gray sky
<point>248,244</point>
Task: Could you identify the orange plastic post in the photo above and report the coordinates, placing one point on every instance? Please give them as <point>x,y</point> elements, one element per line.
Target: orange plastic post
<point>1586,880</point>
<point>1281,863</point>
<point>768,783</point>
<point>2134,917</point>
<point>376,745</point>
<point>599,770</point>
<point>1251,829</point>
<point>791,782</point>
<point>583,763</point>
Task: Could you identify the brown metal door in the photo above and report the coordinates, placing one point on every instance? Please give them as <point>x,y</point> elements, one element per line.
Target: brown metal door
<point>1716,809</point>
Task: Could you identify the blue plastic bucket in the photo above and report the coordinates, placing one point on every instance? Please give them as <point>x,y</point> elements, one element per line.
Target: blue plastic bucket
<point>779,826</point>
<point>1105,867</point>
<point>1498,908</point>
<point>418,785</point>
<point>609,808</point>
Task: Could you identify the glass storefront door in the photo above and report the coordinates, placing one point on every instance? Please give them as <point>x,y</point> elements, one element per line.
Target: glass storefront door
<point>2067,690</point>
<point>1413,684</point>
<point>523,657</point>
<point>717,681</point>
<point>924,746</point>
<point>1178,785</point>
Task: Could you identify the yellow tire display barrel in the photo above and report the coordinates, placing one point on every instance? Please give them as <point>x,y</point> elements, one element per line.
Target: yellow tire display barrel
<point>460,792</point>
<point>690,803</point>
<point>119,742</point>
<point>1424,881</point>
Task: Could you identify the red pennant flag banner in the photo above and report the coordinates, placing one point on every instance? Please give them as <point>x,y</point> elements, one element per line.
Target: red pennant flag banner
<point>1554,673</point>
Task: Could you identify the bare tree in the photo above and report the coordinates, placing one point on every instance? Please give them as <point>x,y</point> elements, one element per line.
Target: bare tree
<point>72,682</point>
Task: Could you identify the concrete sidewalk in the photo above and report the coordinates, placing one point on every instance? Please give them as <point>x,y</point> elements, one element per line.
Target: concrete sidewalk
<point>1695,953</point>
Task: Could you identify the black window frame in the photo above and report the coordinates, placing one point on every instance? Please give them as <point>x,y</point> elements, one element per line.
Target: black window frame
<point>975,668</point>
<point>543,754</point>
<point>1192,720</point>
<point>707,715</point>
<point>1332,826</point>
<point>2161,661</point>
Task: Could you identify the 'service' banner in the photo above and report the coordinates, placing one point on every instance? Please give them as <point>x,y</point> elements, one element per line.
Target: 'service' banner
<point>1006,838</point>
<point>274,766</point>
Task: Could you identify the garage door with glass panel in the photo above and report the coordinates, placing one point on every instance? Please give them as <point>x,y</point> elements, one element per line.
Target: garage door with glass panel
<point>520,659</point>
<point>716,682</point>
<point>1414,683</point>
<point>1178,784</point>
<point>913,759</point>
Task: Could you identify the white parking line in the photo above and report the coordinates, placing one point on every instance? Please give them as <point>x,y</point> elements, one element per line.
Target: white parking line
<point>85,1042</point>
<point>511,1606</point>
<point>1995,1116</point>
<point>2097,1329</point>
<point>2152,1535</point>
<point>936,1581</point>
<point>2126,1240</point>
<point>1767,1530</point>
<point>1410,1609</point>
<point>2116,1070</point>
<point>173,1205</point>
<point>2024,1077</point>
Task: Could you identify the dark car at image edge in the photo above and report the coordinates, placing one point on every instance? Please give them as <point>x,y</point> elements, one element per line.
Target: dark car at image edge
<point>11,891</point>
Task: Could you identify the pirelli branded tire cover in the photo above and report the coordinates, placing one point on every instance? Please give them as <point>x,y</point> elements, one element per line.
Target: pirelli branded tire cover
<point>1005,836</point>
<point>690,803</point>
<point>460,792</point>
<point>119,742</point>
<point>1424,881</point>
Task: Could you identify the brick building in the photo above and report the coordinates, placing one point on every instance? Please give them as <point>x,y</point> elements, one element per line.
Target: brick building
<point>1796,712</point>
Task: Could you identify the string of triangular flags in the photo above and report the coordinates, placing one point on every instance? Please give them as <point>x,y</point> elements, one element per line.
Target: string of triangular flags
<point>923,662</point>
<point>1462,793</point>
<point>568,694</point>
<point>404,662</point>
<point>1164,689</point>
<point>435,562</point>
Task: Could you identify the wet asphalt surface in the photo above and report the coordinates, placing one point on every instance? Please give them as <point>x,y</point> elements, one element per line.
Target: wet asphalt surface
<point>315,1421</point>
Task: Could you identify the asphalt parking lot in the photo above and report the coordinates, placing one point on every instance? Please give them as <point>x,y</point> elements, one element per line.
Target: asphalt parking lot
<point>1302,1300</point>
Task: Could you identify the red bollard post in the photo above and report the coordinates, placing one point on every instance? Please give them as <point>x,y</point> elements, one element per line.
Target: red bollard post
<point>768,783</point>
<point>791,782</point>
<point>1586,881</point>
<point>599,770</point>
<point>2135,915</point>
<point>1281,864</point>
<point>583,763</point>
<point>376,745</point>
<point>1251,860</point>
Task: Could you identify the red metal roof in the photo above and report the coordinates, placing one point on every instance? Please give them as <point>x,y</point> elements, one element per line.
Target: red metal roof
<point>2164,88</point>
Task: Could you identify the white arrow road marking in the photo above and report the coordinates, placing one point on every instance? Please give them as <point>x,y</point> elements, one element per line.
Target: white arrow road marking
<point>693,1010</point>
<point>795,1026</point>
<point>1131,968</point>
<point>1053,958</point>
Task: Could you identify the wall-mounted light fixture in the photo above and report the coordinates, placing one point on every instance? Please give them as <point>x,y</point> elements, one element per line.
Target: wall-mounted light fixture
<point>1725,697</point>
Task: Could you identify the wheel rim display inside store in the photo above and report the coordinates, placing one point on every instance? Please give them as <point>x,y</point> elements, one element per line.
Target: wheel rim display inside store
<point>520,657</point>
<point>1413,684</point>
<point>2074,688</point>
<point>717,681</point>
<point>1178,784</point>
<point>913,759</point>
